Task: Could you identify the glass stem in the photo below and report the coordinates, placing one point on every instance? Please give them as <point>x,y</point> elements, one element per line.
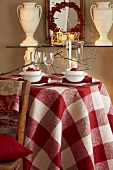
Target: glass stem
<point>48,71</point>
<point>37,67</point>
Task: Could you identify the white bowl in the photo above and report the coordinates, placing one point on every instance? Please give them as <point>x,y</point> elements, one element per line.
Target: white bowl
<point>32,78</point>
<point>37,72</point>
<point>80,72</point>
<point>75,78</point>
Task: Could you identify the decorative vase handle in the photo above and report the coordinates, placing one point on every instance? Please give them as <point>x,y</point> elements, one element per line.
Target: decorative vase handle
<point>91,11</point>
<point>40,8</point>
<point>18,8</point>
<point>111,6</point>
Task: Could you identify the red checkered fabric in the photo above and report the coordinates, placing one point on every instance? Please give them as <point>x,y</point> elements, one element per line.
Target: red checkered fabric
<point>70,128</point>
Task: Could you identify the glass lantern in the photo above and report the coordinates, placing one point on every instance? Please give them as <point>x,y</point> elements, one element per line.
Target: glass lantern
<point>74,54</point>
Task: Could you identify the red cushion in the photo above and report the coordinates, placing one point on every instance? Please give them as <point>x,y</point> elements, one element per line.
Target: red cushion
<point>11,149</point>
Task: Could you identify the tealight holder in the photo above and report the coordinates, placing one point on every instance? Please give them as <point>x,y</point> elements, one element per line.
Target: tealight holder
<point>60,38</point>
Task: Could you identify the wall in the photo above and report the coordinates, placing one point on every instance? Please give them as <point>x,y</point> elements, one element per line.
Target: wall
<point>11,33</point>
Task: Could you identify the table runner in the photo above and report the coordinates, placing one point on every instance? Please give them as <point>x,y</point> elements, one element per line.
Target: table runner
<point>70,128</point>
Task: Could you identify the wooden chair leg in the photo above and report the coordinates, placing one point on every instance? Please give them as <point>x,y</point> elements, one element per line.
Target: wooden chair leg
<point>20,166</point>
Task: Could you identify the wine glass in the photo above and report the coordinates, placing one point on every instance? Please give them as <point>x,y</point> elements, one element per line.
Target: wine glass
<point>37,60</point>
<point>48,59</point>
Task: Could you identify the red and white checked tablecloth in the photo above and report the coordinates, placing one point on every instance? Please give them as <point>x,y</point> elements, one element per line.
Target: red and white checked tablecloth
<point>70,128</point>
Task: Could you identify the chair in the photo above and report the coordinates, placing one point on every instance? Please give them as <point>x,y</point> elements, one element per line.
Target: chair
<point>19,129</point>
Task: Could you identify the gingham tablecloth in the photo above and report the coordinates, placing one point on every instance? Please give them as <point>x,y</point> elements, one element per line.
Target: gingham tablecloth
<point>70,128</point>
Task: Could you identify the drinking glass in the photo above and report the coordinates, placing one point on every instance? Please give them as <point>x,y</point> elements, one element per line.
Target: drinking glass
<point>48,59</point>
<point>37,60</point>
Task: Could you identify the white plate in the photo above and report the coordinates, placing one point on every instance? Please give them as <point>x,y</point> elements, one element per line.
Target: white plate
<point>16,78</point>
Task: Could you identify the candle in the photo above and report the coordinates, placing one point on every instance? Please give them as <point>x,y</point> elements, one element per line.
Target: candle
<point>59,36</point>
<point>74,63</point>
<point>71,37</point>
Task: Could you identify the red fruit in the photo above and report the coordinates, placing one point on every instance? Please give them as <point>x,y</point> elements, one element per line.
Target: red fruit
<point>30,69</point>
<point>74,69</point>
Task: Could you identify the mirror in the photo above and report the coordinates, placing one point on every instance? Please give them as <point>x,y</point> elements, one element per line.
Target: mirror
<point>64,20</point>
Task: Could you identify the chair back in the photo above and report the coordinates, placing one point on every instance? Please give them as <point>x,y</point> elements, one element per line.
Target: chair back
<point>14,97</point>
<point>14,94</point>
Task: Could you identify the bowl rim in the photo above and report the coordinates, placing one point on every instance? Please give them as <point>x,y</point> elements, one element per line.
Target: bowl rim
<point>32,72</point>
<point>33,75</point>
<point>84,74</point>
<point>74,71</point>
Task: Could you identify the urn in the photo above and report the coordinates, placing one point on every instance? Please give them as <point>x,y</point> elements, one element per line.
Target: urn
<point>102,16</point>
<point>29,15</point>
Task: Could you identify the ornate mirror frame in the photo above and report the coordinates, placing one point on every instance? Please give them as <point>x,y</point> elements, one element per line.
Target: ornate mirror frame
<point>47,12</point>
